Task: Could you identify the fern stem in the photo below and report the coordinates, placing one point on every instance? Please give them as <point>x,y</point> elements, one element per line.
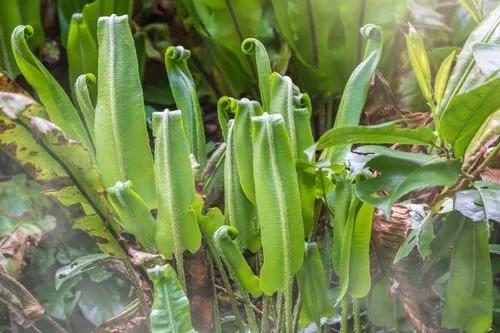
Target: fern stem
<point>296,313</point>
<point>343,315</point>
<point>356,315</point>
<point>288,307</point>
<point>266,309</point>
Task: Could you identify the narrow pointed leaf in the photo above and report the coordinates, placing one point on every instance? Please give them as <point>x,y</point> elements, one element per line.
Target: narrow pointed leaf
<point>186,99</point>
<point>442,77</point>
<point>472,7</point>
<point>356,89</point>
<point>122,143</point>
<point>57,104</point>
<point>170,312</point>
<point>133,212</point>
<point>238,268</point>
<point>177,228</point>
<point>343,197</point>
<point>419,62</point>
<point>313,288</point>
<point>81,48</point>
<point>382,134</point>
<point>278,203</point>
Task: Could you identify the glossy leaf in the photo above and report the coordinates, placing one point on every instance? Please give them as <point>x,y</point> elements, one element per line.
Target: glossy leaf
<point>466,113</point>
<point>81,48</point>
<point>186,99</point>
<point>281,102</point>
<point>254,47</point>
<point>57,104</point>
<point>83,86</point>
<point>400,173</point>
<point>442,76</point>
<point>481,203</point>
<point>177,228</point>
<point>278,203</point>
<point>382,134</point>
<point>170,311</point>
<point>469,302</point>
<point>239,211</point>
<point>133,212</point>
<point>14,13</point>
<point>419,62</point>
<point>225,239</point>
<point>356,89</point>
<point>313,288</point>
<point>486,57</point>
<point>466,74</point>
<point>473,8</point>
<point>120,119</point>
<point>77,267</point>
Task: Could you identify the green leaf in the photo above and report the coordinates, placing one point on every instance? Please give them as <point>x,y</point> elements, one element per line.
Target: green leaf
<point>177,228</point>
<point>343,196</point>
<point>442,76</point>
<point>281,102</point>
<point>382,134</point>
<point>99,8</point>
<point>120,119</point>
<point>186,99</point>
<point>473,8</point>
<point>278,203</point>
<point>140,39</point>
<point>81,48</point>
<point>57,104</point>
<point>225,240</point>
<point>14,13</point>
<point>254,47</point>
<point>469,304</point>
<point>486,57</point>
<point>77,267</point>
<point>420,236</point>
<point>399,173</point>
<point>419,62</point>
<point>356,89</point>
<point>239,211</point>
<point>65,10</point>
<point>134,214</point>
<point>83,86</point>
<point>170,312</point>
<point>93,225</point>
<point>313,288</point>
<point>466,73</point>
<point>480,204</point>
<point>466,113</point>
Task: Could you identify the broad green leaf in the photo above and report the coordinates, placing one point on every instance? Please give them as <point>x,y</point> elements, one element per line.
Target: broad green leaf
<point>243,110</point>
<point>77,267</point>
<point>254,47</point>
<point>469,304</point>
<point>442,76</point>
<point>57,104</point>
<point>170,312</point>
<point>225,239</point>
<point>381,134</point>
<point>177,228</point>
<point>313,288</point>
<point>81,48</point>
<point>99,8</point>
<point>466,114</point>
<point>343,196</point>
<point>186,99</point>
<point>419,62</point>
<point>473,8</point>
<point>133,212</point>
<point>83,86</point>
<point>278,203</point>
<point>65,10</point>
<point>307,180</point>
<point>466,73</point>
<point>399,173</point>
<point>420,236</point>
<point>486,57</point>
<point>14,13</point>
<point>356,90</point>
<point>239,211</point>
<point>122,144</point>
<point>281,102</point>
<point>92,224</point>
